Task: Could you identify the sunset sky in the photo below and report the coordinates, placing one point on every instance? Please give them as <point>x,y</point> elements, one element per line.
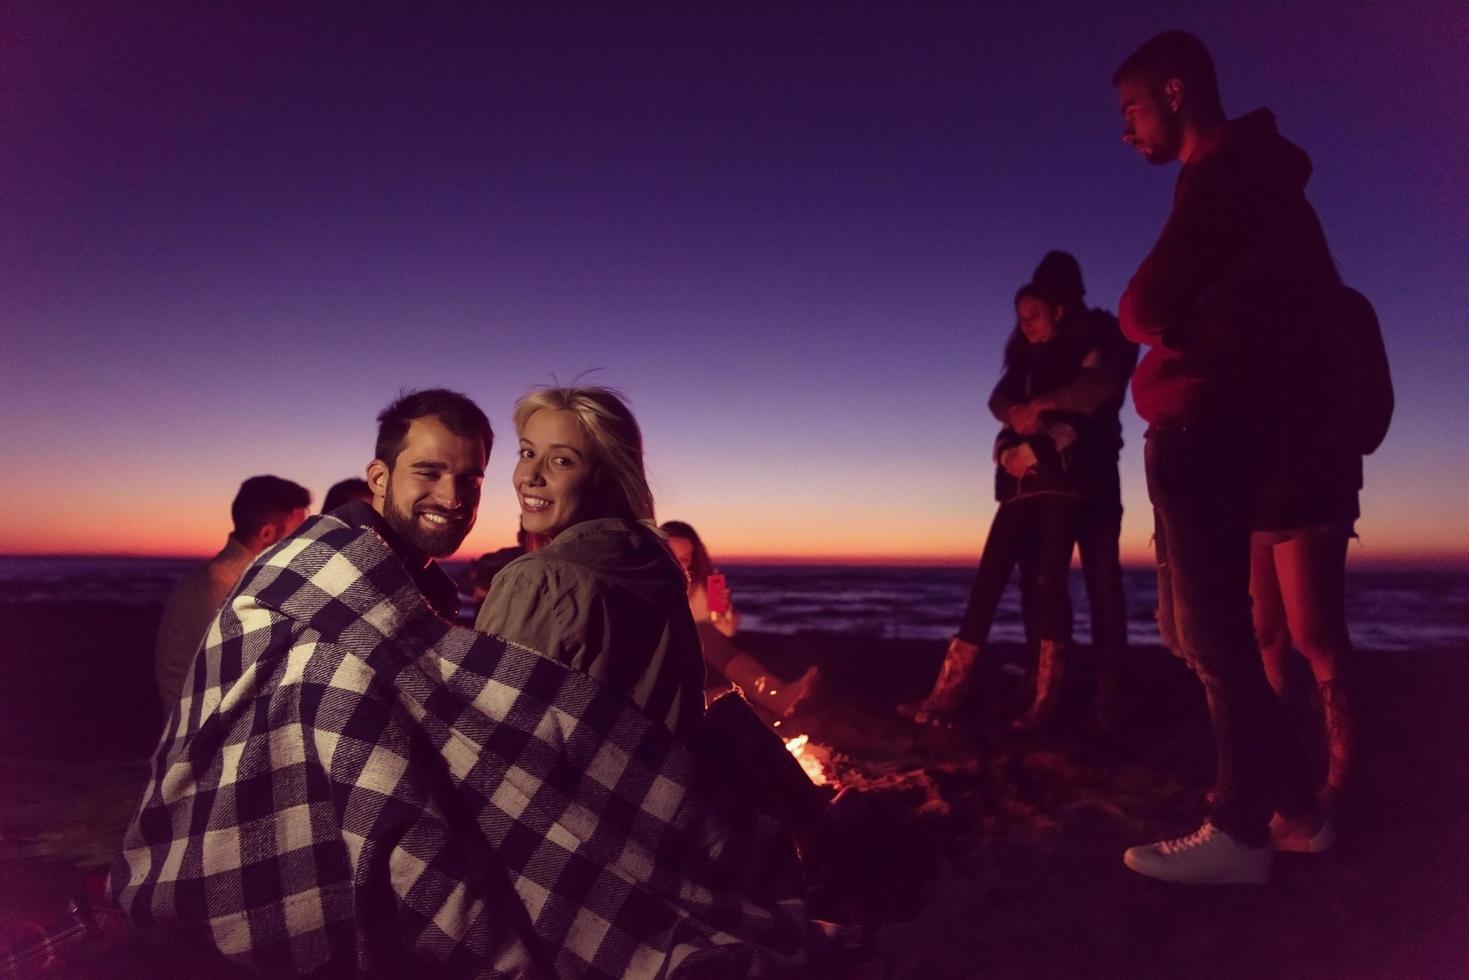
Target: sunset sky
<point>229,234</point>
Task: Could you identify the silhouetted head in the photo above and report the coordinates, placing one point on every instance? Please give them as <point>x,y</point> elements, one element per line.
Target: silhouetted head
<point>267,509</point>
<point>581,458</point>
<point>1059,274</point>
<point>1162,87</point>
<point>346,491</point>
<point>432,447</point>
<point>689,549</point>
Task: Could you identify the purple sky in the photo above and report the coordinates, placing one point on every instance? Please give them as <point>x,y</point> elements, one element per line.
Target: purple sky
<point>790,234</point>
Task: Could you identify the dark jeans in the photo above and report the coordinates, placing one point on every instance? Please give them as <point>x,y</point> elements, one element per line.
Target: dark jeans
<point>1098,527</point>
<point>1198,482</point>
<point>1038,530</point>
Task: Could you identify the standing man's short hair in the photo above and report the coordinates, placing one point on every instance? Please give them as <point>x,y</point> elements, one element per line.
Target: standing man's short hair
<point>265,500</point>
<point>458,414</point>
<point>1180,55</point>
<point>346,491</point>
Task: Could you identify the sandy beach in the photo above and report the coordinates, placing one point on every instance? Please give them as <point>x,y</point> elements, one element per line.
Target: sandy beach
<point>1011,847</point>
<point>974,852</point>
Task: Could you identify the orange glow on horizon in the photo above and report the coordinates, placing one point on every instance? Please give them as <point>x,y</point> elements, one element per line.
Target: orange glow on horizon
<point>1133,560</point>
<point>157,538</point>
<point>742,532</point>
<point>205,546</point>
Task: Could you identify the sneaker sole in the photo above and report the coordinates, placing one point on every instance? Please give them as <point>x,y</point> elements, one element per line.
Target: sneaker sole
<point>1142,867</point>
<point>1311,845</point>
<point>1318,843</point>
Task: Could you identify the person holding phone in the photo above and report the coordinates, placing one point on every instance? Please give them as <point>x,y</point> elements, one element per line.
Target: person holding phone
<point>714,614</point>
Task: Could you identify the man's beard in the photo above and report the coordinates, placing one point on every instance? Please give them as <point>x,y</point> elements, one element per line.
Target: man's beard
<point>434,542</point>
<point>1167,151</point>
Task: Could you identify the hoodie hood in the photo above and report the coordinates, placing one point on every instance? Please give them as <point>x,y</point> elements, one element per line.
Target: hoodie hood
<point>1241,262</point>
<point>1255,152</point>
<point>622,552</point>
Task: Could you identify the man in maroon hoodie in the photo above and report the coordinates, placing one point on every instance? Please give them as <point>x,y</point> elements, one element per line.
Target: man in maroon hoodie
<point>1219,305</point>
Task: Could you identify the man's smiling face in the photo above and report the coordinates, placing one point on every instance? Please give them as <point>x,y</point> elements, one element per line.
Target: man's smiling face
<point>430,494</point>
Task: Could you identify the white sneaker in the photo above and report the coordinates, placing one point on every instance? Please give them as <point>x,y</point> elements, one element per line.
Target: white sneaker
<point>1207,856</point>
<point>1302,836</point>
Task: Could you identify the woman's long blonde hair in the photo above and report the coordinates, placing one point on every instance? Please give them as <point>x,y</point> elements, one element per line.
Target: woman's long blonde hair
<point>620,485</point>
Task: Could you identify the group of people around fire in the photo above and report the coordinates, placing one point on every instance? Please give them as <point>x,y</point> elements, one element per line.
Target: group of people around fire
<point>351,782</point>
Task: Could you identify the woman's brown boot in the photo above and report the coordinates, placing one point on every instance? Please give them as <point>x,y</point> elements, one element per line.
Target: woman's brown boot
<point>949,690</point>
<point>1049,675</point>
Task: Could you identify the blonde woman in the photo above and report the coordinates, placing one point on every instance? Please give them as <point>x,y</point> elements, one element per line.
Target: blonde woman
<point>599,591</point>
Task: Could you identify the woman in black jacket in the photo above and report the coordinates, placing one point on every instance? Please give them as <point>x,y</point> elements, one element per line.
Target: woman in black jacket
<point>1042,476</point>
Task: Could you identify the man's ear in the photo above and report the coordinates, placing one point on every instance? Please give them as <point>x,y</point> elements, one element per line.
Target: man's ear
<point>1173,94</point>
<point>269,534</point>
<point>377,478</point>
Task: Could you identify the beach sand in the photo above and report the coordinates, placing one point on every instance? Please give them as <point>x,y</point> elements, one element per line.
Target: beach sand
<point>973,852</point>
<point>1016,842</point>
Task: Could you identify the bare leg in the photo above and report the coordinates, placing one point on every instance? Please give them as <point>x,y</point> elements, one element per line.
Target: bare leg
<point>731,664</point>
<point>1311,569</point>
<point>1311,566</point>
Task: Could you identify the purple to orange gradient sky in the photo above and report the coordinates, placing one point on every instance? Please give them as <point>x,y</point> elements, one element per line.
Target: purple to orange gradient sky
<point>790,234</point>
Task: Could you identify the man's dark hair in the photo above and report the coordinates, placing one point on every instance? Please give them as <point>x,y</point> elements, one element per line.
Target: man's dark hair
<point>263,499</point>
<point>1175,54</point>
<point>458,414</point>
<point>345,491</point>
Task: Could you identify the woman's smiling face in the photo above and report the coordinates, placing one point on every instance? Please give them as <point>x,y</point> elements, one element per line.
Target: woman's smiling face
<point>553,476</point>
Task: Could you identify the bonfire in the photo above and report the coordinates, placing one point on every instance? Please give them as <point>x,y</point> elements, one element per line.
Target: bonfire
<point>814,758</point>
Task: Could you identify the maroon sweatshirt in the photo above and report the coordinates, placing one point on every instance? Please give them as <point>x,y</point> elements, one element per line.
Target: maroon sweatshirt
<point>1216,299</point>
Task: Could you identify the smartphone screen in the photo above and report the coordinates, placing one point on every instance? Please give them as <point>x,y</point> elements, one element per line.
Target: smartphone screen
<point>715,587</point>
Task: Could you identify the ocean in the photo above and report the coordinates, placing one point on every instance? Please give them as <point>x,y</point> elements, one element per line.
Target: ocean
<point>1389,609</point>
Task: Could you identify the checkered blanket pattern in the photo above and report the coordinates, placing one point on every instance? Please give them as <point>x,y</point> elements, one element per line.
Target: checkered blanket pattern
<point>349,780</point>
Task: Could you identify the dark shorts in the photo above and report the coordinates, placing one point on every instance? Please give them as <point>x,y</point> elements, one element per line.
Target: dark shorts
<point>1308,489</point>
<point>1306,503</point>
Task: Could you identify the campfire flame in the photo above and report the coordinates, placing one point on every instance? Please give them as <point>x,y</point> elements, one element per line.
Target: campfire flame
<point>806,755</point>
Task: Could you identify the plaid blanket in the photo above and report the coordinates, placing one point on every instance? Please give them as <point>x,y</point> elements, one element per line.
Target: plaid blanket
<point>351,782</point>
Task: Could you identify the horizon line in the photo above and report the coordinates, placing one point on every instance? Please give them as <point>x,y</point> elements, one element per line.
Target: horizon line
<point>1445,561</point>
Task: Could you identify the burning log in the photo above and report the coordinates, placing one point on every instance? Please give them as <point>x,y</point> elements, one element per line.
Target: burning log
<point>814,759</point>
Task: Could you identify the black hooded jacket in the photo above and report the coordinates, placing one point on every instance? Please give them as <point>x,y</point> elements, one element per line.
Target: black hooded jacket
<point>1223,298</point>
<point>1034,370</point>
